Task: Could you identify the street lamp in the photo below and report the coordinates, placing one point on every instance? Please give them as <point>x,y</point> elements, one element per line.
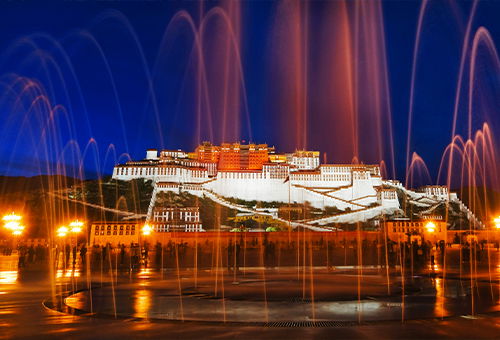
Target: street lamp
<point>497,222</point>
<point>13,223</point>
<point>62,231</point>
<point>430,227</point>
<point>12,217</point>
<point>146,230</point>
<point>76,226</point>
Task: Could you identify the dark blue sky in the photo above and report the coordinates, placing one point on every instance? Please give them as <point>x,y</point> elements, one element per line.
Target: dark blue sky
<point>93,58</point>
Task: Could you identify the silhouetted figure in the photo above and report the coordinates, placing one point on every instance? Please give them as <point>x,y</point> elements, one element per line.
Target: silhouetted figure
<point>22,257</point>
<point>31,254</point>
<point>104,254</point>
<point>83,254</point>
<point>74,255</point>
<point>135,256</point>
<point>145,255</point>
<point>67,251</point>
<point>237,259</point>
<point>122,254</point>
<point>158,254</point>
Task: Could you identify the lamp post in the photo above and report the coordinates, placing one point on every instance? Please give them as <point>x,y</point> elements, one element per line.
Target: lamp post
<point>146,230</point>
<point>497,223</point>
<point>13,224</point>
<point>76,228</point>
<point>430,227</point>
<point>73,229</point>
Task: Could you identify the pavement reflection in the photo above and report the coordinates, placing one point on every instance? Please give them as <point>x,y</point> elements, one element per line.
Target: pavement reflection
<point>23,316</point>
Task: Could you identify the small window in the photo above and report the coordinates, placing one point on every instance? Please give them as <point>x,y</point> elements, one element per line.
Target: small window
<point>127,232</point>
<point>109,227</point>
<point>121,232</point>
<point>133,227</point>
<point>97,232</point>
<point>115,227</point>
<point>102,232</point>
<point>114,232</point>
<point>128,227</point>
<point>132,232</point>
<point>109,232</point>
<point>121,227</point>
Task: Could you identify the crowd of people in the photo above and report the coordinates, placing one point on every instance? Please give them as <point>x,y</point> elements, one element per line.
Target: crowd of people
<point>233,253</point>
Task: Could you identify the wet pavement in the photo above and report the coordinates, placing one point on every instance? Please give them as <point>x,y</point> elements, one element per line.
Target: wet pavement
<point>144,300</point>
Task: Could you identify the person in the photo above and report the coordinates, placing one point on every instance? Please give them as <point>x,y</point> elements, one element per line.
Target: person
<point>67,249</point>
<point>230,255</point>
<point>39,253</point>
<point>145,255</point>
<point>134,250</point>
<point>74,255</point>
<point>158,254</point>
<point>104,254</point>
<point>122,254</point>
<point>58,253</point>
<point>31,254</point>
<point>433,258</point>
<point>83,254</point>
<point>22,257</point>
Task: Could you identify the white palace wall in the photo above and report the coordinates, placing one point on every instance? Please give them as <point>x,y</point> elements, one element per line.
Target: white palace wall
<point>342,187</point>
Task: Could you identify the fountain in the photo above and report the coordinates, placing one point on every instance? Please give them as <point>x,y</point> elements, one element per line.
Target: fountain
<point>327,72</point>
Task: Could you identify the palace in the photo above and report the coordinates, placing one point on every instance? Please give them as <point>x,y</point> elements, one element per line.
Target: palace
<point>256,172</point>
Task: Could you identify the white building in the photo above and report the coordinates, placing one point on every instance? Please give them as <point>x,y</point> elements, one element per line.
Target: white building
<point>358,189</point>
<point>301,178</point>
<point>435,191</point>
<point>166,219</point>
<point>304,160</point>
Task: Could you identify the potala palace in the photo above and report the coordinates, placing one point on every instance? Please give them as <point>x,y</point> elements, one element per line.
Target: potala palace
<point>256,172</point>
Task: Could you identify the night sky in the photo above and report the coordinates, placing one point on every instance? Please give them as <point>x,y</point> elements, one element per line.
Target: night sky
<point>96,59</point>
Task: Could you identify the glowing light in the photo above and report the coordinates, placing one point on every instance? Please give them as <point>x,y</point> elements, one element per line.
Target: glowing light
<point>431,227</point>
<point>76,226</point>
<point>146,230</point>
<point>497,222</point>
<point>11,217</point>
<point>8,277</point>
<point>12,225</point>
<point>62,231</point>
<point>76,230</point>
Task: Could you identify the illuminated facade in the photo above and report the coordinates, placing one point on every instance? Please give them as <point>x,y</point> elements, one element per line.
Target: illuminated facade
<point>401,230</point>
<point>256,172</point>
<point>304,160</point>
<point>238,156</point>
<point>115,233</point>
<point>167,219</point>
